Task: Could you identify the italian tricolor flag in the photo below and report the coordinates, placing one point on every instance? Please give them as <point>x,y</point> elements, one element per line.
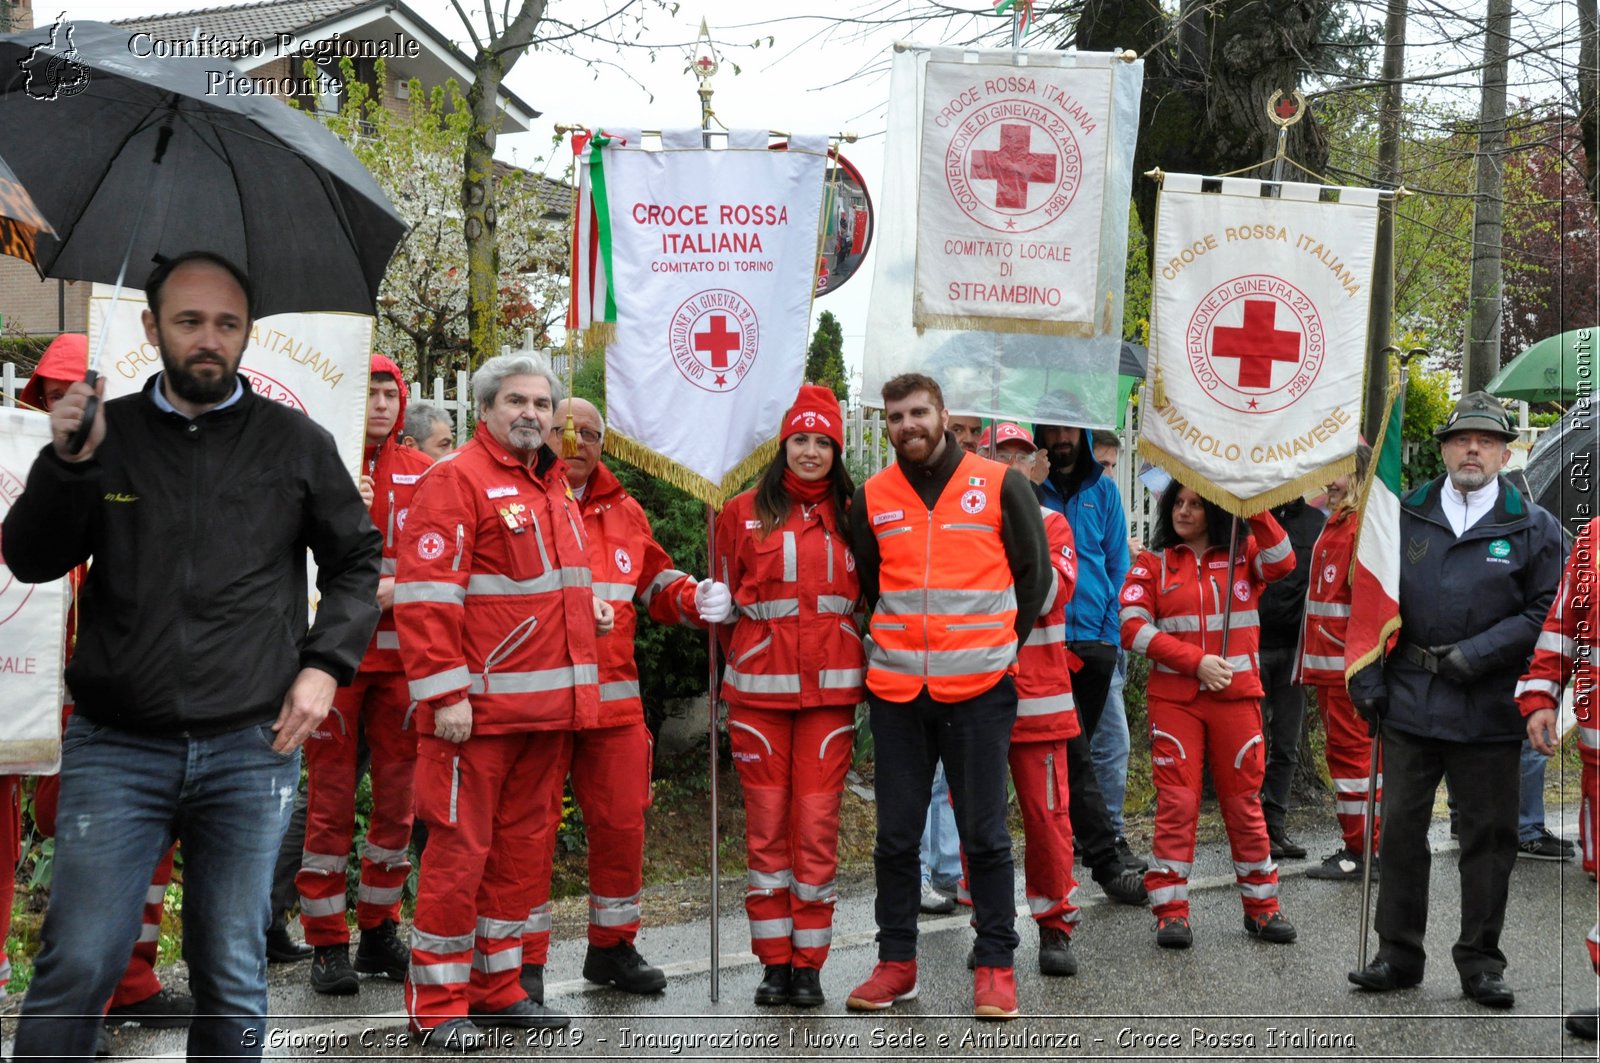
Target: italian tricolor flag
<point>1002,7</point>
<point>1375,595</point>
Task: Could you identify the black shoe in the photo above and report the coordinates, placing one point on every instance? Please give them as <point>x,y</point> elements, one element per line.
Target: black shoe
<point>1129,861</point>
<point>105,1046</point>
<point>1379,977</point>
<point>533,981</point>
<point>1342,866</point>
<point>523,1015</point>
<point>775,985</point>
<point>382,952</point>
<point>455,1035</point>
<point>1489,989</point>
<point>1173,933</point>
<point>281,948</point>
<point>1581,1024</point>
<point>1545,846</point>
<point>805,987</point>
<point>162,1010</point>
<point>1284,847</point>
<point>621,966</point>
<point>1272,927</point>
<point>1125,886</point>
<point>331,973</point>
<point>1055,953</point>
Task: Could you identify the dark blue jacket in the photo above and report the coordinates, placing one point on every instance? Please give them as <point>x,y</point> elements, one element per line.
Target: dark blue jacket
<point>1093,506</point>
<point>1486,592</point>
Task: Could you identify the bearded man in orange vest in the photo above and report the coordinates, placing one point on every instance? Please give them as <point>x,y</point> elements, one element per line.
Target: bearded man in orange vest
<point>953,559</point>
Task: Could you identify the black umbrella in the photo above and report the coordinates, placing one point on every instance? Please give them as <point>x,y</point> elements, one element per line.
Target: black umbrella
<point>132,158</point>
<point>1563,467</point>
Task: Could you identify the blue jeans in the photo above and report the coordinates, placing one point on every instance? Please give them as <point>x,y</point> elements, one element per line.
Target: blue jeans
<point>1109,747</point>
<point>941,847</point>
<point>1530,798</point>
<point>124,798</point>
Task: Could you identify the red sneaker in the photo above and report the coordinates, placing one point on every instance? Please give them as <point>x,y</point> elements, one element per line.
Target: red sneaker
<point>994,993</point>
<point>891,982</point>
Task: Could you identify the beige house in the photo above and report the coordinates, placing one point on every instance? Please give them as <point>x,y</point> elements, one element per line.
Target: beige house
<point>269,42</point>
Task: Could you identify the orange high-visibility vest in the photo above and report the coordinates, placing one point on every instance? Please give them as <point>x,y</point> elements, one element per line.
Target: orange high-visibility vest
<point>947,606</point>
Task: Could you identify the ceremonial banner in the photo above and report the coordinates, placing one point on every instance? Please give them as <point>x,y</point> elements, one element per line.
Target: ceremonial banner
<point>1002,278</point>
<point>701,279</point>
<point>1010,192</point>
<point>33,620</point>
<point>316,363</point>
<point>1375,591</point>
<point>1259,337</point>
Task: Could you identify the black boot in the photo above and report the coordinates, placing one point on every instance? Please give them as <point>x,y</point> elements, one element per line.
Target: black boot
<point>805,988</point>
<point>622,966</point>
<point>382,952</point>
<point>281,948</point>
<point>533,981</point>
<point>331,973</point>
<point>1055,953</point>
<point>775,984</point>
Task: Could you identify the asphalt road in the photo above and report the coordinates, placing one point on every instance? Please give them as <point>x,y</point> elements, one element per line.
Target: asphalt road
<point>1229,997</point>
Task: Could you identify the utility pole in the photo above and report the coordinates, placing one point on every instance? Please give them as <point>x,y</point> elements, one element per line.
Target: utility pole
<point>1378,332</point>
<point>1488,225</point>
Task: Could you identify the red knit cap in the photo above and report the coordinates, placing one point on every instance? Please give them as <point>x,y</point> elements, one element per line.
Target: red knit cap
<point>816,410</point>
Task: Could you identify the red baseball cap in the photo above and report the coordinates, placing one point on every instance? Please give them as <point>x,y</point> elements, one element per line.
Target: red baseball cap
<point>1004,433</point>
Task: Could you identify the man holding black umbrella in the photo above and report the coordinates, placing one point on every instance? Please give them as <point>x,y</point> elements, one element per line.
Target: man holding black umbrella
<point>195,677</point>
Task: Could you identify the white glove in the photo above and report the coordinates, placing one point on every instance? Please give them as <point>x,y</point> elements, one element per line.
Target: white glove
<point>713,601</point>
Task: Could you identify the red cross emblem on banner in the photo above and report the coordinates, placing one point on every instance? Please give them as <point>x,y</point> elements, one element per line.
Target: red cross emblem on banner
<point>718,340</point>
<point>713,339</point>
<point>1243,330</point>
<point>1013,167</point>
<point>1258,343</point>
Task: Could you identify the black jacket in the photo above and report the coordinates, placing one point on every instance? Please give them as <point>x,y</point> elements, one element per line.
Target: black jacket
<point>1283,604</point>
<point>193,618</point>
<point>1487,593</point>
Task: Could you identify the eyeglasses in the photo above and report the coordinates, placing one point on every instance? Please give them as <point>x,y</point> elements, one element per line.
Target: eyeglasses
<point>589,436</point>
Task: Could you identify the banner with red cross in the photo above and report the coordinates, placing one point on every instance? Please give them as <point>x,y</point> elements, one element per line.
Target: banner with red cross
<point>699,265</point>
<point>1258,336</point>
<point>1011,190</point>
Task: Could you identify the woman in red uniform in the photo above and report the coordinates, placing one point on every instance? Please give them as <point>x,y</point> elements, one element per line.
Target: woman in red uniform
<point>792,682</point>
<point>1349,747</point>
<point>1205,708</point>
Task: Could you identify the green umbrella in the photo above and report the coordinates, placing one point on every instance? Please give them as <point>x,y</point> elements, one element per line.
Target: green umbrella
<point>1556,369</point>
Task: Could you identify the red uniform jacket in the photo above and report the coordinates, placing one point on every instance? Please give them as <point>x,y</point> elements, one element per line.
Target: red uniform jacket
<point>395,471</point>
<point>493,597</point>
<point>1172,606</point>
<point>797,641</point>
<point>1565,649</point>
<point>1045,709</point>
<point>1328,603</point>
<point>628,564</point>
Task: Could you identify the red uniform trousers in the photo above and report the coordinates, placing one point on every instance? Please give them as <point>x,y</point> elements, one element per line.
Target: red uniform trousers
<point>375,705</point>
<point>1227,735</point>
<point>792,764</point>
<point>11,840</point>
<point>610,770</point>
<point>1349,751</point>
<point>1039,775</point>
<point>1589,818</point>
<point>486,804</point>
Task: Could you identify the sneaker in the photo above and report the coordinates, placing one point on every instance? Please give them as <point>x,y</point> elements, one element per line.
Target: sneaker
<point>994,993</point>
<point>162,1010</point>
<point>1173,932</point>
<point>622,967</point>
<point>454,1035</point>
<point>1284,847</point>
<point>776,980</point>
<point>331,973</point>
<point>382,952</point>
<point>936,902</point>
<point>1055,953</point>
<point>1342,866</point>
<point>805,988</point>
<point>1129,860</point>
<point>891,981</point>
<point>1125,886</point>
<point>523,1015</point>
<point>532,981</point>
<point>1272,927</point>
<point>1545,846</point>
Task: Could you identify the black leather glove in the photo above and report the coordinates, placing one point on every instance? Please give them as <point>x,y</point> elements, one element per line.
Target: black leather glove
<point>1371,710</point>
<point>1453,664</point>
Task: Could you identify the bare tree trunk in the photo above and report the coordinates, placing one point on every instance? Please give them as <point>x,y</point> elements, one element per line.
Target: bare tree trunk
<point>1394,46</point>
<point>1589,96</point>
<point>1483,326</point>
<point>1192,38</point>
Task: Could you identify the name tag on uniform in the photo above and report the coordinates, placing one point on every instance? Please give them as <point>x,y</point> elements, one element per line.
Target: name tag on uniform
<point>404,478</point>
<point>751,525</point>
<point>501,492</point>
<point>885,518</point>
<point>1217,564</point>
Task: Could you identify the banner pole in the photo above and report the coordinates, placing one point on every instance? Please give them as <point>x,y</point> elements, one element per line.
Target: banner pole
<point>1227,604</point>
<point>711,728</point>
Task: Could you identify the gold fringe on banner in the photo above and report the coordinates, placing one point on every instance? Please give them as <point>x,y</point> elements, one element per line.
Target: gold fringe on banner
<point>963,323</point>
<point>29,751</point>
<point>664,468</point>
<point>600,334</point>
<point>1243,507</point>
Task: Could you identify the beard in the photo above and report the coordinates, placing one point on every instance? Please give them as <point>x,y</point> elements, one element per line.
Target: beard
<point>189,385</point>
<point>912,438</point>
<point>1063,455</point>
<point>1467,480</point>
<point>525,433</point>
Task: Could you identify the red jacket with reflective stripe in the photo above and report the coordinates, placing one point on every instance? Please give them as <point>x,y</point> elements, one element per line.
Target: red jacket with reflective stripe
<point>1569,626</point>
<point>1328,603</point>
<point>395,472</point>
<point>795,642</point>
<point>1045,709</point>
<point>1172,606</point>
<point>493,597</point>
<point>628,564</point>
